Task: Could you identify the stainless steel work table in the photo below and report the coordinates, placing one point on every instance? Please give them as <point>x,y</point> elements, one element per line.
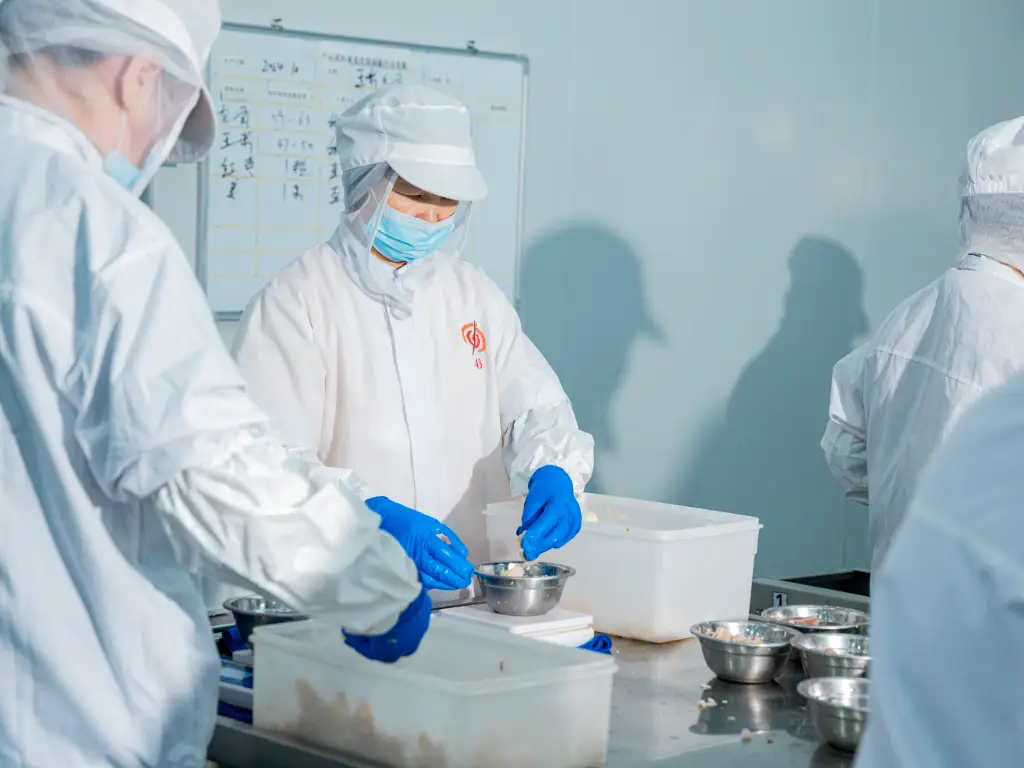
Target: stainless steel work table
<point>655,721</point>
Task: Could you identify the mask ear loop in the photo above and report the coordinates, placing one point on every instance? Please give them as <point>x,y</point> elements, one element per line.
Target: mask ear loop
<point>120,131</point>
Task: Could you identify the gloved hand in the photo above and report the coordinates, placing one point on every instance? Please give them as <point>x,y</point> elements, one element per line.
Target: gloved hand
<point>401,640</point>
<point>551,514</point>
<point>441,565</point>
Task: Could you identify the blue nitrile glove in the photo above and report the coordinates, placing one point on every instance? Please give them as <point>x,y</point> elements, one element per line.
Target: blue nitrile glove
<point>599,644</point>
<point>401,640</point>
<point>551,514</point>
<point>441,565</point>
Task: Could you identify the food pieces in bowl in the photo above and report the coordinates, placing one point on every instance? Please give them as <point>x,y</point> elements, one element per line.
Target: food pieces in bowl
<point>721,633</point>
<point>810,621</point>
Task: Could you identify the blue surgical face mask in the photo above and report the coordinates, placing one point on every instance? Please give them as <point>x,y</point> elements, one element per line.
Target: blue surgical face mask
<point>124,171</point>
<point>405,238</point>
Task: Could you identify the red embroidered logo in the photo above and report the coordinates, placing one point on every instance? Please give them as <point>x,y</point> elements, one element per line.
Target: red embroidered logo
<point>472,335</point>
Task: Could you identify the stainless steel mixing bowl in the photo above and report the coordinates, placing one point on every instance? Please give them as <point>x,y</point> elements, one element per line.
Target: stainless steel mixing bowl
<point>829,654</point>
<point>534,593</point>
<point>839,708</point>
<point>254,611</point>
<point>759,657</point>
<point>829,618</point>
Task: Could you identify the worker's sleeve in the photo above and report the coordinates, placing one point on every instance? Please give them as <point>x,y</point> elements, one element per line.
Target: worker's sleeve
<point>947,606</point>
<point>279,523</point>
<point>845,438</point>
<point>537,421</point>
<point>282,363</point>
<point>164,419</point>
<point>216,592</point>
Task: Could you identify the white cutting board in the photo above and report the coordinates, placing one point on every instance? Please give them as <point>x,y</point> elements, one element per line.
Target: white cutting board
<point>555,620</point>
<point>571,638</point>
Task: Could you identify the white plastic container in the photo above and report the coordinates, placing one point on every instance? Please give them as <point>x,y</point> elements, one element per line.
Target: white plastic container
<point>646,570</point>
<point>471,697</point>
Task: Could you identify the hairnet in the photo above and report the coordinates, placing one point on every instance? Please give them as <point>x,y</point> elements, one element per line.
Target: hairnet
<point>45,42</point>
<point>995,160</point>
<point>992,191</point>
<point>423,134</point>
<point>993,226</point>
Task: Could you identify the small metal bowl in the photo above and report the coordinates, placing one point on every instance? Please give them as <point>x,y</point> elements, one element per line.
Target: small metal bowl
<point>839,708</point>
<point>253,611</point>
<point>744,662</point>
<point>829,618</point>
<point>534,593</point>
<point>829,654</point>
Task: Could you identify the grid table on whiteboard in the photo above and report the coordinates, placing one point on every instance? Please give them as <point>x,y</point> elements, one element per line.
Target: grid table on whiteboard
<point>273,181</point>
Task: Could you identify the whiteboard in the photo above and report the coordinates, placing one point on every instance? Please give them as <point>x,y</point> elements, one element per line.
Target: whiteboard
<point>271,187</point>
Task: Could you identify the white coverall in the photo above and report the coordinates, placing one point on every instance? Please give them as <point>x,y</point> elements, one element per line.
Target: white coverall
<point>947,607</point>
<point>420,379</point>
<point>132,458</point>
<point>896,398</point>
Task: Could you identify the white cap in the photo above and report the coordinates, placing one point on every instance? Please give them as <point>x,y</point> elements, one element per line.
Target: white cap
<point>423,134</point>
<point>995,161</point>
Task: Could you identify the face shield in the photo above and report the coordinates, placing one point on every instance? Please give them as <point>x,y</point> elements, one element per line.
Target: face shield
<point>126,73</point>
<point>993,226</point>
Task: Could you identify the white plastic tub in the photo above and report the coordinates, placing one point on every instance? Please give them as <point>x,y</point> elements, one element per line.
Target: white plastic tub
<point>646,570</point>
<point>471,697</point>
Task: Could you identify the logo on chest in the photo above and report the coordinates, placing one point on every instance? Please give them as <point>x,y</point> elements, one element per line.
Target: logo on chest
<point>474,337</point>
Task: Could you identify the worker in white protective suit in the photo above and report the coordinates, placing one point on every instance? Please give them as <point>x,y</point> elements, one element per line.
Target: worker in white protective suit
<point>947,622</point>
<point>132,459</point>
<point>384,352</point>
<point>895,399</point>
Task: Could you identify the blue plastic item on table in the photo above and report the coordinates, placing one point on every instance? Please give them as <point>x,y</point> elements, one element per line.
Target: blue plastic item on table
<point>235,713</point>
<point>598,644</point>
<point>230,641</point>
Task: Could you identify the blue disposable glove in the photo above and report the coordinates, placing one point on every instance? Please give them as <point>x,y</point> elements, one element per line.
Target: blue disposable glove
<point>401,640</point>
<point>441,565</point>
<point>551,514</point>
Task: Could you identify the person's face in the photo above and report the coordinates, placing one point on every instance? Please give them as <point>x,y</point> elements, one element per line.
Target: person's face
<point>413,201</point>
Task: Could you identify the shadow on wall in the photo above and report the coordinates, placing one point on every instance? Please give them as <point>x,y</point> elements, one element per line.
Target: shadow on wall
<point>764,458</point>
<point>583,303</point>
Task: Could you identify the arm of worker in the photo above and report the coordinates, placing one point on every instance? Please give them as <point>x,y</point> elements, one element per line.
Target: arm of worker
<point>216,592</point>
<point>845,440</point>
<point>547,457</point>
<point>277,351</point>
<point>164,418</point>
<point>258,515</point>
